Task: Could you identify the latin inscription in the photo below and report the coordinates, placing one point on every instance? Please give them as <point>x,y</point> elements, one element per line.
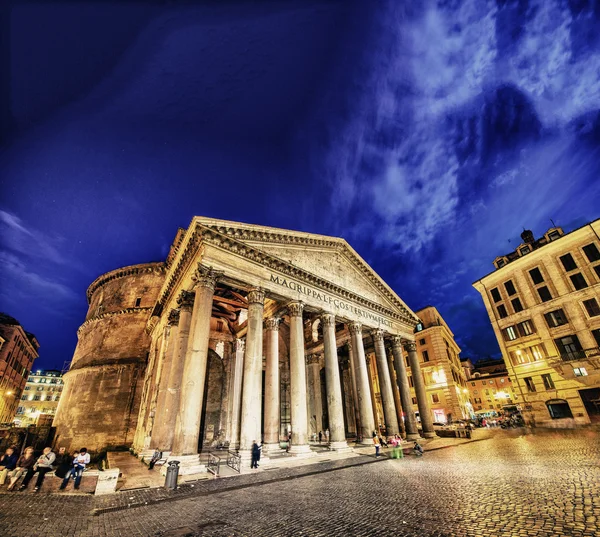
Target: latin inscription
<point>328,299</point>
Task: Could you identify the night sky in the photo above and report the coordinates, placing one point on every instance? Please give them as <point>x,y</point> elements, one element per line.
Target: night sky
<point>427,134</point>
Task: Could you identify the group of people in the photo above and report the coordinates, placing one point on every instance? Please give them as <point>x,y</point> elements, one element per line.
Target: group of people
<point>396,443</point>
<point>13,467</point>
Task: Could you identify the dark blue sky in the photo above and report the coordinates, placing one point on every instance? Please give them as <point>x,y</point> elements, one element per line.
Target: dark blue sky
<point>426,135</point>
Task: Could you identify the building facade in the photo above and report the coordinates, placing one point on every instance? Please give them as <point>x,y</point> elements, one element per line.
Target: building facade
<point>244,332</point>
<point>490,386</point>
<point>543,300</point>
<point>40,398</point>
<point>18,350</point>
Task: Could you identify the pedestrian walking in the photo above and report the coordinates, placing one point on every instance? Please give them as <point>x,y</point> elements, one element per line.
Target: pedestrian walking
<point>8,463</point>
<point>63,462</point>
<point>25,462</point>
<point>327,435</point>
<point>255,454</point>
<point>80,461</point>
<point>42,466</point>
<point>377,445</point>
<point>289,442</point>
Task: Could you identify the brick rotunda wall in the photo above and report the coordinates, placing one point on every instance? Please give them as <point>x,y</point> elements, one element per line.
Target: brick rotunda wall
<point>100,402</point>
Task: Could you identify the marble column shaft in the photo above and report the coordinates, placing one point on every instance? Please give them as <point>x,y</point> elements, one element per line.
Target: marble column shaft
<point>250,429</point>
<point>395,389</point>
<point>298,380</point>
<point>420,391</point>
<point>175,378</point>
<point>337,434</point>
<point>237,371</point>
<point>352,360</point>
<point>194,368</point>
<point>272,388</point>
<point>367,423</point>
<point>385,384</point>
<point>410,420</point>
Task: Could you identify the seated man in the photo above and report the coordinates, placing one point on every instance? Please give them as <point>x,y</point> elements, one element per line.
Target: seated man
<point>155,458</point>
<point>8,462</point>
<point>42,466</point>
<point>80,461</point>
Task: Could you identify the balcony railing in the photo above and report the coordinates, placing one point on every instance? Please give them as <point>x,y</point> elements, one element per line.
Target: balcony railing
<point>583,354</point>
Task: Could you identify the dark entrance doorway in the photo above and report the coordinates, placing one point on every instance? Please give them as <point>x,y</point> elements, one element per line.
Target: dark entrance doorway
<point>591,401</point>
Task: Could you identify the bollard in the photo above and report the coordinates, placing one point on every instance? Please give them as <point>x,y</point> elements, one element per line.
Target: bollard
<point>172,475</point>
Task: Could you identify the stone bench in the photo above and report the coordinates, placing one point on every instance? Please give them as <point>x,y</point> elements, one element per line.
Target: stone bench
<point>92,482</point>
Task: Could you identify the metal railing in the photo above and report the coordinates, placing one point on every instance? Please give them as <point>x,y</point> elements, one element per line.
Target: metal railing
<point>234,461</point>
<point>213,464</point>
<point>580,355</point>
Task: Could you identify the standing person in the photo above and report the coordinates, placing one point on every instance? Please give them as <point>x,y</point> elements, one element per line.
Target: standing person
<point>155,458</point>
<point>25,462</point>
<point>42,466</point>
<point>289,441</point>
<point>64,462</point>
<point>80,461</point>
<point>320,436</point>
<point>377,444</point>
<point>255,455</point>
<point>327,435</point>
<point>8,463</point>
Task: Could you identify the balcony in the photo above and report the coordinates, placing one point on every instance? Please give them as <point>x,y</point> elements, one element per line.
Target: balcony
<point>583,354</point>
<point>582,366</point>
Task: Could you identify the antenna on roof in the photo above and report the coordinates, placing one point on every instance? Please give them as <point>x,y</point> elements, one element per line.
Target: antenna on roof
<point>553,224</point>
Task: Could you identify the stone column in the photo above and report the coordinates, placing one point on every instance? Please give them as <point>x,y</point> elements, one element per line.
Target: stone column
<point>252,389</point>
<point>367,424</point>
<point>185,301</point>
<point>194,370</point>
<point>298,381</point>
<point>394,379</point>
<point>385,384</point>
<point>377,419</point>
<point>352,360</point>
<point>272,388</point>
<point>337,434</point>
<point>237,372</point>
<point>159,432</point>
<point>420,391</point>
<point>410,421</point>
<point>315,402</point>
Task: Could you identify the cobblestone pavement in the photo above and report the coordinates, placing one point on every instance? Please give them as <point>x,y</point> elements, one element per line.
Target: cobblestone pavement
<point>513,484</point>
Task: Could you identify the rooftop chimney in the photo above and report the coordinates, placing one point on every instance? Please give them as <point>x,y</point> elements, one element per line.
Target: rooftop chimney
<point>527,236</point>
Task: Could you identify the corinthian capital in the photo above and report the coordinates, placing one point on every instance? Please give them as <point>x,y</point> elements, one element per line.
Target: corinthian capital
<point>313,359</point>
<point>272,324</point>
<point>355,328</point>
<point>186,300</point>
<point>173,318</point>
<point>256,296</point>
<point>377,334</point>
<point>206,277</point>
<point>295,309</point>
<point>409,346</point>
<point>396,341</point>
<point>328,319</point>
<point>240,345</point>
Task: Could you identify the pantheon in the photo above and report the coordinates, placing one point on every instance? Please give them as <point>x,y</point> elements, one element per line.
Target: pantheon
<point>243,333</point>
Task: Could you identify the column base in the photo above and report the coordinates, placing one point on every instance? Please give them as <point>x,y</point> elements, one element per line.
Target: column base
<point>340,447</point>
<point>302,451</point>
<point>367,442</point>
<point>272,449</point>
<point>429,435</point>
<point>412,436</point>
<point>188,464</point>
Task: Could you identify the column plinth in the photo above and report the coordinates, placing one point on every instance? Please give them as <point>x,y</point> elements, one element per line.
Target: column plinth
<point>420,391</point>
<point>367,423</point>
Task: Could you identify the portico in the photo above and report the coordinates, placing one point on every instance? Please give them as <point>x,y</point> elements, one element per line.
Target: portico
<point>269,334</point>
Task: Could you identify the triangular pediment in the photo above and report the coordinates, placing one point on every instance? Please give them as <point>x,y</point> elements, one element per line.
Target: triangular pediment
<point>329,258</point>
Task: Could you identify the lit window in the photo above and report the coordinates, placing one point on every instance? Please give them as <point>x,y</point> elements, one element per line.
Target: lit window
<point>556,318</point>
<point>510,333</point>
<point>502,381</point>
<point>580,371</point>
<point>525,328</point>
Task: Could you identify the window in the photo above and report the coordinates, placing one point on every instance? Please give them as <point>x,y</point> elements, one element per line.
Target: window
<point>475,392</point>
<point>425,356</point>
<point>524,250</point>
<point>510,333</point>
<point>544,294</point>
<point>537,353</point>
<point>491,382</point>
<point>487,392</point>
<point>530,384</point>
<point>414,400</point>
<point>501,381</point>
<point>23,398</point>
<point>592,307</point>
<point>569,347</point>
<point>596,334</point>
<point>559,408</point>
<point>510,288</point>
<point>502,311</point>
<point>496,294</point>
<point>472,384</point>
<point>568,262</point>
<point>556,318</point>
<point>536,276</point>
<point>435,397</point>
<point>591,252</point>
<point>36,397</point>
<point>597,269</point>
<point>410,381</point>
<point>580,371</point>
<point>553,235</point>
<point>422,341</point>
<point>578,281</point>
<point>548,382</point>
<point>500,263</point>
<point>138,301</point>
<point>516,304</point>
<point>525,328</point>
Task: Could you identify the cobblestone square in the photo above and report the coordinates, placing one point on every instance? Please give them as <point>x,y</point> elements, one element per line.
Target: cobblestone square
<point>502,484</point>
